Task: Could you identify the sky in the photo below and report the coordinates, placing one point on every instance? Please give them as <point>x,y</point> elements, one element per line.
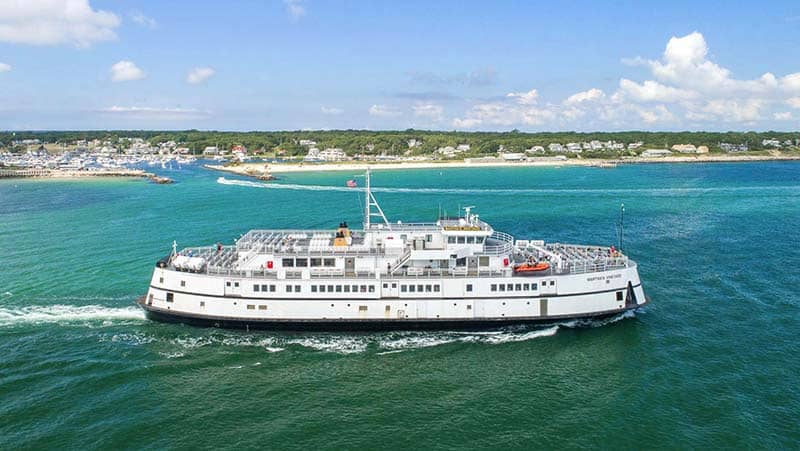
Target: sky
<point>443,65</point>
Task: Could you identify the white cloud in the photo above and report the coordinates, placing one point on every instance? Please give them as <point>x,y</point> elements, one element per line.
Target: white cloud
<point>383,111</point>
<point>295,8</point>
<point>585,96</point>
<point>331,110</point>
<point>199,75</point>
<point>659,114</point>
<point>783,116</point>
<point>429,110</point>
<point>5,67</point>
<point>733,110</point>
<point>794,102</point>
<point>126,71</point>
<point>524,98</point>
<point>137,112</point>
<point>653,91</point>
<point>140,19</point>
<point>53,22</point>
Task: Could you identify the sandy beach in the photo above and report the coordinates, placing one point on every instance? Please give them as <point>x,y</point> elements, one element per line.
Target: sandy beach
<point>260,169</point>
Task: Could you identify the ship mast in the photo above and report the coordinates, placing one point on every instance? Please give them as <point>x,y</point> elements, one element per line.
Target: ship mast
<point>369,202</point>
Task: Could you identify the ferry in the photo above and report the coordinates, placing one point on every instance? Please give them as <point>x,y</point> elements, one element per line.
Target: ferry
<point>456,272</point>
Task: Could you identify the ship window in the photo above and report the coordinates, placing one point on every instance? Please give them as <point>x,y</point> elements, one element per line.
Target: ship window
<point>355,288</point>
<point>552,283</point>
<point>262,307</point>
<point>619,295</point>
<point>511,287</point>
<point>313,288</point>
<point>436,288</point>
<point>404,237</point>
<point>235,284</point>
<point>297,288</point>
<point>388,308</point>
<point>386,285</point>
<point>329,262</point>
<point>251,307</point>
<point>412,288</point>
<point>301,262</point>
<point>372,288</point>
<point>288,288</point>
<point>461,240</point>
<point>469,287</point>
<point>362,308</point>
<point>494,287</point>
<point>202,303</point>
<point>526,287</point>
<point>338,288</point>
<point>183,283</point>
<point>170,297</point>
<point>428,288</point>
<point>347,288</point>
<point>518,287</point>
<point>533,286</point>
<point>502,287</point>
<point>403,288</point>
<point>363,288</point>
<point>288,262</point>
<point>316,262</point>
<point>451,239</point>
<point>479,239</point>
<point>264,288</point>
<point>483,261</point>
<point>256,288</point>
<point>469,307</point>
<point>429,238</point>
<point>322,288</point>
<point>394,285</point>
<point>272,288</point>
<point>419,288</point>
<point>470,240</point>
<point>160,280</point>
<point>227,284</point>
<point>330,288</point>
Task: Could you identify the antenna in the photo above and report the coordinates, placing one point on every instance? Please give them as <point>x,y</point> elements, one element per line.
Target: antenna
<point>621,226</point>
<point>369,202</point>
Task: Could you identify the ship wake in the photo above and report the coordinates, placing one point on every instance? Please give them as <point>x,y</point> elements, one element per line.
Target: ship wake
<point>48,314</point>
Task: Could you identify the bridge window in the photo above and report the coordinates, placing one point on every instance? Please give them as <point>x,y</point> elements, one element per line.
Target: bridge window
<point>329,262</point>
<point>461,240</point>
<point>479,239</point>
<point>470,240</point>
<point>451,239</point>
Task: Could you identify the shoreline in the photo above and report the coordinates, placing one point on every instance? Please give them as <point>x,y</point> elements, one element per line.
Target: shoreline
<point>55,174</point>
<point>258,170</point>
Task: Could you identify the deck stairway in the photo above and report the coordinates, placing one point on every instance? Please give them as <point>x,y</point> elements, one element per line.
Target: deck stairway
<point>400,261</point>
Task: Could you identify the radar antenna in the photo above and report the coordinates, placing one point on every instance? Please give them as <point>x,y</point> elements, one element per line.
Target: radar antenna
<point>369,202</point>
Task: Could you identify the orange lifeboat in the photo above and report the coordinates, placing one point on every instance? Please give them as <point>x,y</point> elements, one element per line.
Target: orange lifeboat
<point>529,268</point>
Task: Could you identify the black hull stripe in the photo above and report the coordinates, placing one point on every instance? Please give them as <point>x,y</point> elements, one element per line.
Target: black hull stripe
<point>463,298</point>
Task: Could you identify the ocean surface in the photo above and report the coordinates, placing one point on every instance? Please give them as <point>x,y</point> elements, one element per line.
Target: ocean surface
<point>713,361</point>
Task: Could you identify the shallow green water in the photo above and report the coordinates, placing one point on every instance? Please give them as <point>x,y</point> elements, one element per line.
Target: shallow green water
<point>712,362</point>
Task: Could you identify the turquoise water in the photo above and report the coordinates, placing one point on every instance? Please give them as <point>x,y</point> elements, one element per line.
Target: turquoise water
<point>714,361</point>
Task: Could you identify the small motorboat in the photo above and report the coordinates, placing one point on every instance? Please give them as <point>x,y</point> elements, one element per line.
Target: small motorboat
<point>529,268</point>
<point>351,183</point>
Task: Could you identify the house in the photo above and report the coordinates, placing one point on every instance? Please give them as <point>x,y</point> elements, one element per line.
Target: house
<point>239,149</point>
<point>333,154</point>
<point>702,149</point>
<point>574,148</point>
<point>512,156</point>
<point>462,147</point>
<point>684,148</point>
<point>313,156</point>
<point>413,142</point>
<point>651,153</point>
<point>728,147</point>
<point>535,149</point>
<point>307,143</point>
<point>771,143</point>
<point>448,151</point>
<point>636,145</point>
<point>555,147</point>
<point>211,150</point>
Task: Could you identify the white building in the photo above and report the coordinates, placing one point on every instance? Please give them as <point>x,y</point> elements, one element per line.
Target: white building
<point>574,148</point>
<point>307,143</point>
<point>462,148</point>
<point>333,154</point>
<point>555,147</point>
<point>535,149</point>
<point>211,150</point>
<point>652,153</point>
<point>771,143</point>
<point>313,156</point>
<point>684,148</point>
<point>635,145</point>
<point>413,142</point>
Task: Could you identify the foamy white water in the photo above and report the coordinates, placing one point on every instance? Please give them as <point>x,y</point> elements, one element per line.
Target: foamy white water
<point>66,313</point>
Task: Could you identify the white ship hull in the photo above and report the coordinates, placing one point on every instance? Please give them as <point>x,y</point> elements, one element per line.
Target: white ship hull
<point>208,301</point>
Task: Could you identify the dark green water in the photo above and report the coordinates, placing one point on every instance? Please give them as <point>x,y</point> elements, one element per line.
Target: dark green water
<point>712,362</point>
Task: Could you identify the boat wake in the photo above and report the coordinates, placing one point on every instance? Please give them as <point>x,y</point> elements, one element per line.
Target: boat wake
<point>386,343</point>
<point>516,192</point>
<point>66,313</point>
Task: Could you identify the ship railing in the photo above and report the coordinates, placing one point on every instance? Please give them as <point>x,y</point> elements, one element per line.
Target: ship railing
<point>505,247</point>
<point>582,266</point>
